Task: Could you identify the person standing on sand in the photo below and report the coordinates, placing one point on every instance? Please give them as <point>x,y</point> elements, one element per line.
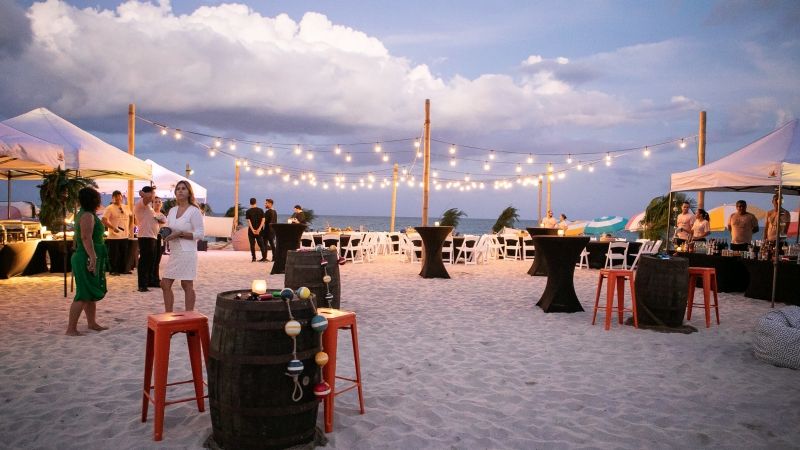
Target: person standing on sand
<point>549,221</point>
<point>88,263</point>
<point>771,228</point>
<point>742,225</point>
<point>146,220</point>
<point>117,217</point>
<point>255,225</point>
<point>270,216</point>
<point>683,225</point>
<point>186,223</point>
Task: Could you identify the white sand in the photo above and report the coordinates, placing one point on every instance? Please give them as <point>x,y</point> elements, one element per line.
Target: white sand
<point>468,362</point>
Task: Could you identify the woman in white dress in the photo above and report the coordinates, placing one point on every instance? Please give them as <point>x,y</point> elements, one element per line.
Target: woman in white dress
<point>186,223</point>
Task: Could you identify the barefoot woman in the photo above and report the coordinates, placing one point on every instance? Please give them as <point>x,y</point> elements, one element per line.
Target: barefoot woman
<point>88,262</point>
<point>186,223</point>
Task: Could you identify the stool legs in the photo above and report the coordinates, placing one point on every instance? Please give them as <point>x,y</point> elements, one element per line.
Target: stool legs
<point>148,373</point>
<point>160,367</point>
<point>633,304</point>
<point>610,300</point>
<point>597,298</point>
<point>193,341</point>
<point>616,282</point>
<point>330,376</point>
<point>709,287</point>
<point>354,336</point>
<point>716,300</point>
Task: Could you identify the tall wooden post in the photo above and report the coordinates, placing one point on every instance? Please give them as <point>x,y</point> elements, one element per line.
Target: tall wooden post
<point>701,155</point>
<point>541,186</point>
<point>426,164</point>
<point>549,188</point>
<point>131,151</point>
<point>236,199</point>
<point>394,197</point>
<point>188,170</point>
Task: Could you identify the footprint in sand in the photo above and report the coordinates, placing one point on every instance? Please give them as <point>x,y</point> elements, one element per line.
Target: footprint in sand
<point>49,388</point>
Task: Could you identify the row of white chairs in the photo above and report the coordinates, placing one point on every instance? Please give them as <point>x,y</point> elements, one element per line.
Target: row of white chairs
<point>619,259</point>
<point>359,247</point>
<point>473,249</point>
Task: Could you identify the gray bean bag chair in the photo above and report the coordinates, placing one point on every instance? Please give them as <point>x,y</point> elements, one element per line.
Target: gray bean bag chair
<point>777,337</point>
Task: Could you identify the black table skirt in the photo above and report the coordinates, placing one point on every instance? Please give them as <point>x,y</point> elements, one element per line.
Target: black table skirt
<point>732,275</point>
<point>287,237</point>
<point>16,257</point>
<point>559,253</point>
<point>432,242</point>
<point>760,285</point>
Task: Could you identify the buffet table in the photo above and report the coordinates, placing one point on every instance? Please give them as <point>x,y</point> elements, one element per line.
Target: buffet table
<point>732,275</point>
<point>760,285</point>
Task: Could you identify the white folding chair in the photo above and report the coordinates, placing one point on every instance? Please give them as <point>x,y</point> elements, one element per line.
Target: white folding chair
<point>496,249</point>
<point>643,250</point>
<point>511,247</point>
<point>613,258</point>
<point>584,261</point>
<point>394,243</point>
<point>354,250</point>
<point>656,246</point>
<point>467,250</point>
<point>528,250</point>
<point>307,241</point>
<point>447,250</point>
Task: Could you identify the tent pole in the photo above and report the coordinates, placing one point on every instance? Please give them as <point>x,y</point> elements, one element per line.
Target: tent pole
<point>539,219</point>
<point>132,152</point>
<point>701,155</point>
<point>394,197</point>
<point>426,162</point>
<point>8,206</point>
<point>667,240</point>
<point>777,239</point>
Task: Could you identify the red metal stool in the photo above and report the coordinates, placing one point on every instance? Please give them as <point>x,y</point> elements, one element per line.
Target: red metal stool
<point>338,319</point>
<point>160,328</point>
<point>616,280</point>
<point>708,275</point>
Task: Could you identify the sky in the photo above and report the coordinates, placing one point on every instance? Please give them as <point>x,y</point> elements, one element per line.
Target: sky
<point>546,81</point>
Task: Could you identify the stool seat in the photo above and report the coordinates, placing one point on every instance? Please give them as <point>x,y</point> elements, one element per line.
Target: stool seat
<point>160,328</point>
<point>339,319</point>
<point>708,277</point>
<point>616,281</point>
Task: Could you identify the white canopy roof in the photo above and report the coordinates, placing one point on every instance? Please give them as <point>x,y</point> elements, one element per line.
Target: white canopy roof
<point>24,156</point>
<point>758,167</point>
<point>164,179</point>
<point>83,151</point>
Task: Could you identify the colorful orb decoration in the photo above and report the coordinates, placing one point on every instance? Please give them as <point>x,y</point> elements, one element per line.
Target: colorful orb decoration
<point>326,279</point>
<point>319,247</point>
<point>323,262</point>
<point>322,389</point>
<point>295,367</point>
<point>321,358</point>
<point>332,248</point>
<point>342,260</point>
<point>319,323</point>
<point>292,328</point>
<point>303,293</point>
<point>287,294</point>
<point>329,298</point>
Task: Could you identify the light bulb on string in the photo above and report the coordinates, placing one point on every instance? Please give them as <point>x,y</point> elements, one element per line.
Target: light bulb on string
<point>683,143</point>
<point>337,150</point>
<point>452,149</point>
<point>178,135</point>
<point>232,146</point>
<point>551,177</point>
<point>218,142</point>
<point>260,172</point>
<point>385,157</point>
<point>530,159</point>
<point>298,150</point>
<point>550,167</point>
<point>416,143</point>
<point>325,186</point>
<point>247,168</point>
<point>453,162</point>
<point>518,169</point>
<point>419,154</point>
<point>608,162</point>
<point>257,148</point>
<point>608,157</point>
<point>405,171</point>
<point>435,174</point>
<point>270,152</point>
<point>561,175</point>
<point>481,186</point>
<point>591,168</point>
<point>466,177</point>
<point>569,159</point>
<point>309,155</point>
<point>646,151</point>
<point>164,131</point>
<point>277,169</point>
<point>491,154</point>
<point>486,165</point>
<point>348,158</point>
<point>238,163</point>
<point>377,147</point>
<point>211,152</point>
<point>579,166</point>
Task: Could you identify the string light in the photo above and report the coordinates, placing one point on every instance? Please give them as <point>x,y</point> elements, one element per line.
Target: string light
<point>683,143</point>
<point>435,174</point>
<point>518,169</point>
<point>452,149</point>
<point>385,157</point>
<point>218,142</point>
<point>270,152</point>
<point>257,148</point>
<point>562,175</point>
<point>569,159</point>
<point>646,152</point>
<point>550,167</point>
<point>591,168</point>
<point>377,147</point>
<point>164,131</point>
<point>178,135</point>
<point>453,162</point>
<point>419,154</point>
<point>348,158</point>
<point>486,165</point>
<point>212,153</point>
<point>491,154</point>
<point>530,159</point>
<point>309,155</point>
<point>337,150</point>
<point>579,166</point>
<point>232,146</point>
<point>416,143</point>
<point>260,172</point>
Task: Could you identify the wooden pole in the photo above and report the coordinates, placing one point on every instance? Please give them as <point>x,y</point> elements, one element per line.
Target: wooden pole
<point>394,197</point>
<point>426,163</point>
<point>541,186</point>
<point>701,155</point>
<point>549,188</point>
<point>8,196</point>
<point>188,170</point>
<point>131,151</point>
<point>236,198</point>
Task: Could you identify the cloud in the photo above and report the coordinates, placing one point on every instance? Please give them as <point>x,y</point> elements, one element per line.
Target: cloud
<point>228,66</point>
<point>15,30</point>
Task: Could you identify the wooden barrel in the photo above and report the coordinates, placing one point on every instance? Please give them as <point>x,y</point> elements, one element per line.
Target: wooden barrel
<point>248,389</point>
<point>661,290</point>
<point>304,269</point>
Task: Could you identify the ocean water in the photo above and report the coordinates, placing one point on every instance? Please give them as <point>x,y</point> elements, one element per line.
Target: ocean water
<point>466,225</point>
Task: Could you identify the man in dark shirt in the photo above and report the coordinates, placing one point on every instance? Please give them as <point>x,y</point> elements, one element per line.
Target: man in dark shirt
<point>267,233</point>
<point>298,216</point>
<point>255,223</point>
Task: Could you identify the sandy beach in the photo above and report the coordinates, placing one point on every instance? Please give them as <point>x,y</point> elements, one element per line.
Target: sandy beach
<point>469,362</point>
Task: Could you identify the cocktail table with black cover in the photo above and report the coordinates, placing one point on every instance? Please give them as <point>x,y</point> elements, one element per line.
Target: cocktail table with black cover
<point>287,237</point>
<point>559,255</point>
<point>432,242</point>
<point>539,267</point>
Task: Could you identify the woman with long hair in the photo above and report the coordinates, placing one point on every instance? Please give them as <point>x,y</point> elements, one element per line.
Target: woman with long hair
<point>185,223</point>
<point>88,262</point>
<point>701,226</point>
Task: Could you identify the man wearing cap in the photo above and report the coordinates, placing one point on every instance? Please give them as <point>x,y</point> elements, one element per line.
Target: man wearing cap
<point>148,223</point>
<point>116,217</point>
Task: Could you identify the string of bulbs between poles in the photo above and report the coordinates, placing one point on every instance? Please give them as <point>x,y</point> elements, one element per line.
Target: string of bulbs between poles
<point>468,180</point>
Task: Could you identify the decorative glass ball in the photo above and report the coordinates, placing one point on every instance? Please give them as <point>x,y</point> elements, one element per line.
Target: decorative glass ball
<point>332,248</point>
<point>326,279</point>
<point>323,262</point>
<point>295,367</point>
<point>292,328</point>
<point>322,389</point>
<point>303,293</point>
<point>319,323</point>
<point>287,294</point>
<point>321,358</point>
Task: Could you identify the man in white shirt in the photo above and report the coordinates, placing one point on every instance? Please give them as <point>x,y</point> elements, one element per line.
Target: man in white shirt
<point>117,217</point>
<point>683,226</point>
<point>148,230</point>
<point>549,221</point>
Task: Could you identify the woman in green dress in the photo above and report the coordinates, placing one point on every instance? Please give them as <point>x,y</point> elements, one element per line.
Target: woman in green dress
<point>88,263</point>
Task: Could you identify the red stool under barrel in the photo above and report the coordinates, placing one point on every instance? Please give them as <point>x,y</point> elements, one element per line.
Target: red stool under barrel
<point>708,275</point>
<point>616,280</point>
<point>160,328</point>
<point>338,319</point>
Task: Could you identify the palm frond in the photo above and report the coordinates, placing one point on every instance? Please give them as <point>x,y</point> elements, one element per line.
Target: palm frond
<point>452,217</point>
<point>507,218</point>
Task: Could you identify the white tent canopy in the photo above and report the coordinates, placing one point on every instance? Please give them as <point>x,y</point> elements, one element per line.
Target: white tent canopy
<point>23,156</point>
<point>83,152</point>
<point>163,178</point>
<point>758,167</point>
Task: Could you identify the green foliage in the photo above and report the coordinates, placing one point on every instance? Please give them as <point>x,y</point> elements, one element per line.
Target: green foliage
<point>657,212</point>
<point>242,210</point>
<point>507,218</point>
<point>168,204</point>
<point>310,215</point>
<point>59,195</point>
<point>452,217</point>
